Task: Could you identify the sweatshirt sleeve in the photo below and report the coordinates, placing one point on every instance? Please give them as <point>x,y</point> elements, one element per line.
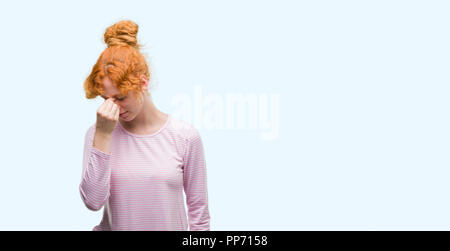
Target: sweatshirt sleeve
<point>195,184</point>
<point>95,181</point>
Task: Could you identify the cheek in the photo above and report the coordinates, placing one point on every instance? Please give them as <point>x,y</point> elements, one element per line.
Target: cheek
<point>126,105</point>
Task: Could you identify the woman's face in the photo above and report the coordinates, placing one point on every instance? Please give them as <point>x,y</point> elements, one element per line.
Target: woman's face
<point>129,104</point>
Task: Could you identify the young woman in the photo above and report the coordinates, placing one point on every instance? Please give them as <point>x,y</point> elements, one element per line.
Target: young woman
<point>138,160</point>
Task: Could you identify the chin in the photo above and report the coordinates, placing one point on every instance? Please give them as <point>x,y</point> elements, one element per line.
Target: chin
<point>127,118</point>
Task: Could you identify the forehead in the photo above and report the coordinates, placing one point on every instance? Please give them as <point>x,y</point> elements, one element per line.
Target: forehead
<point>109,90</point>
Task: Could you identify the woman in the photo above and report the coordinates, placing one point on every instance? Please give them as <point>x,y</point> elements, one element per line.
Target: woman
<point>137,159</point>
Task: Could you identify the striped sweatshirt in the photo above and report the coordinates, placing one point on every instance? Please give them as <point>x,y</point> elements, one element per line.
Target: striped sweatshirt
<point>140,183</point>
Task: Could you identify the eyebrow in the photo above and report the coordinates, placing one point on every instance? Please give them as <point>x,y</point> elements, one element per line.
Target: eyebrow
<point>116,96</point>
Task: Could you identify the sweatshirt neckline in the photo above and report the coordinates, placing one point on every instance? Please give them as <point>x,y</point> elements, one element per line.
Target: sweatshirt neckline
<point>146,135</point>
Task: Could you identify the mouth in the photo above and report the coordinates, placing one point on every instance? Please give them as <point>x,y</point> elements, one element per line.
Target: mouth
<point>122,114</point>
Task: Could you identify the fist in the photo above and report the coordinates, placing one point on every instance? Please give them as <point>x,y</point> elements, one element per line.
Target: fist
<point>107,116</point>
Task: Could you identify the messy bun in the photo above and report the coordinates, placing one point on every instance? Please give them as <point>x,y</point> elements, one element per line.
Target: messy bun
<point>121,62</point>
<point>122,33</point>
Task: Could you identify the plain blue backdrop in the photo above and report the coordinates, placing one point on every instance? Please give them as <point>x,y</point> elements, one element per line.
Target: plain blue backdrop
<point>363,87</point>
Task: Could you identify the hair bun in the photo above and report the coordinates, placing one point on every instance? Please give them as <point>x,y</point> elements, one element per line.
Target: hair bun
<point>122,33</point>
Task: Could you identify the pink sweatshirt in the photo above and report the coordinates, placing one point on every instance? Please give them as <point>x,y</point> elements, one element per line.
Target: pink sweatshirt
<point>140,183</point>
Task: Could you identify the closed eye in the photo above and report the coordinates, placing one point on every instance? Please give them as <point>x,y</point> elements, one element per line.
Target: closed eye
<point>120,99</point>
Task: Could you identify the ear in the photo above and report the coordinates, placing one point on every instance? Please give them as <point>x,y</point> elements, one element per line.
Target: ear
<point>144,82</point>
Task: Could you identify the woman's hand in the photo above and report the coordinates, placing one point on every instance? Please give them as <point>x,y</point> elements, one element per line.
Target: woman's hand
<point>107,117</point>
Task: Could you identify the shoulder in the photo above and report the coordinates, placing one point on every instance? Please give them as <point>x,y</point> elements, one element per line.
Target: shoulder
<point>183,129</point>
<point>192,144</point>
<point>90,131</point>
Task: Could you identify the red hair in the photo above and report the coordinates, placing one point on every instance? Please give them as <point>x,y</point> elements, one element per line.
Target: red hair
<point>121,62</point>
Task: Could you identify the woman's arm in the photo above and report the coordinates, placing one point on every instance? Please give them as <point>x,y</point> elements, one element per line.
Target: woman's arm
<point>95,181</point>
<point>195,184</point>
